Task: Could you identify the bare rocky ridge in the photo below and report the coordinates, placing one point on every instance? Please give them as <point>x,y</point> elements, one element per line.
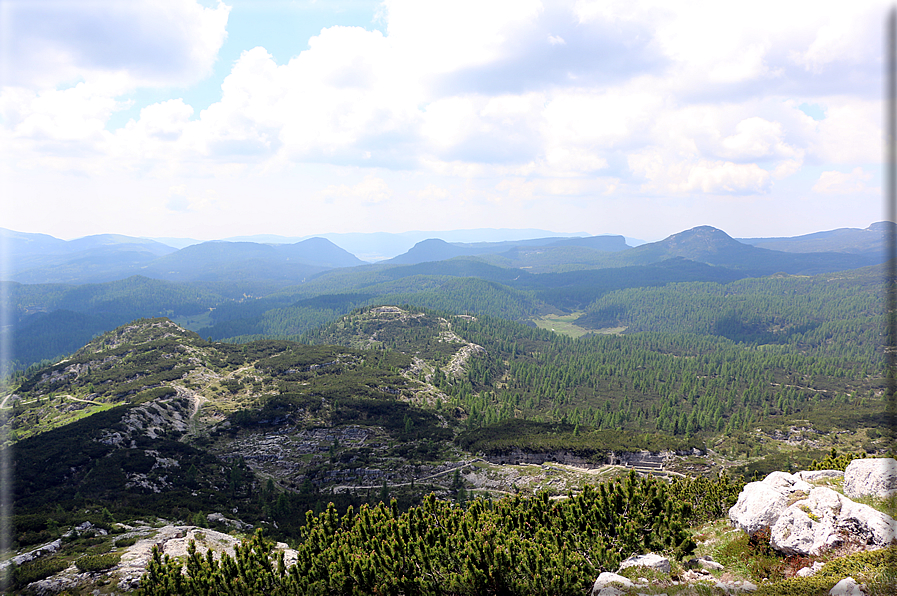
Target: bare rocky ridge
<point>171,539</point>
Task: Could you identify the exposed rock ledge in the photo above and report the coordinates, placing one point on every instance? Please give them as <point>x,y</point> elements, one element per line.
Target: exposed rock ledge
<point>809,520</point>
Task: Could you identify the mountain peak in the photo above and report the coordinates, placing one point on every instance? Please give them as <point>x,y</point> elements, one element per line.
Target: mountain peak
<point>701,238</point>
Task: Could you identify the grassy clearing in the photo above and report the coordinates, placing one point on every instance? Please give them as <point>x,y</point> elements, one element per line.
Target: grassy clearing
<point>562,324</point>
<point>194,322</point>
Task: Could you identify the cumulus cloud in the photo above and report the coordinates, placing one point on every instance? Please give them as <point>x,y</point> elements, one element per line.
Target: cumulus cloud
<point>701,176</point>
<point>834,182</point>
<point>370,191</point>
<point>152,42</point>
<point>509,100</point>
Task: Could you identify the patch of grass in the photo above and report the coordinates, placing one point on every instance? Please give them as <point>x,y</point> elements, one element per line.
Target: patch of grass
<point>752,556</point>
<point>562,324</point>
<point>876,569</point>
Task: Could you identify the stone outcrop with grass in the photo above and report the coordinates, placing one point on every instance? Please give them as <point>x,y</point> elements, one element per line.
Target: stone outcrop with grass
<point>805,518</point>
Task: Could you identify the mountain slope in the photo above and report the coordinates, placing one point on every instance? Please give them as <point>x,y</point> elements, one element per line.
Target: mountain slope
<point>706,244</point>
<point>870,240</point>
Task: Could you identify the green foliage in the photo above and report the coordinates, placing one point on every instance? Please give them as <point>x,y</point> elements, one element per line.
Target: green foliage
<point>542,437</point>
<point>755,554</point>
<point>708,499</point>
<point>97,562</point>
<point>510,546</point>
<point>875,569</point>
<point>125,542</point>
<point>833,461</point>
<point>36,570</point>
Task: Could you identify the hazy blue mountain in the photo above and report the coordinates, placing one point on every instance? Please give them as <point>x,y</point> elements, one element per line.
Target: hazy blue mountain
<point>177,243</point>
<point>222,261</point>
<point>38,258</point>
<point>379,246</point>
<point>849,240</point>
<point>432,249</point>
<point>321,252</point>
<point>605,243</point>
<point>435,249</point>
<point>26,243</point>
<point>218,261</point>
<point>706,244</point>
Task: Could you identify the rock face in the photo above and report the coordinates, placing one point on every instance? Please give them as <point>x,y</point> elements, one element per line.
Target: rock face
<point>874,477</point>
<point>808,520</point>
<point>41,551</point>
<point>760,503</point>
<point>826,519</point>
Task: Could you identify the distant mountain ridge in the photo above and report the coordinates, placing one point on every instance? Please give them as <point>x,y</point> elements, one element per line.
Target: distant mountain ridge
<point>39,258</point>
<point>435,249</point>
<point>849,240</point>
<point>706,244</point>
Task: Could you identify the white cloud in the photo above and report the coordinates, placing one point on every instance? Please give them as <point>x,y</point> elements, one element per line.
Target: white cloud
<point>370,191</point>
<point>726,177</point>
<point>834,182</point>
<point>701,176</point>
<point>443,37</point>
<point>77,113</point>
<point>754,138</point>
<point>851,132</point>
<point>528,100</point>
<point>153,42</point>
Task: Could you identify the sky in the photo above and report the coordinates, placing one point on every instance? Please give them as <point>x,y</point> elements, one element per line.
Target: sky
<point>178,118</point>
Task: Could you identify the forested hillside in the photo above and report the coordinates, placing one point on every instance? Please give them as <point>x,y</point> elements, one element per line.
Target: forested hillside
<point>246,291</point>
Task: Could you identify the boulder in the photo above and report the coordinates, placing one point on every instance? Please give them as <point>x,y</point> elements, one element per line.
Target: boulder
<point>873,477</point>
<point>817,475</point>
<point>809,571</point>
<point>847,587</point>
<point>604,585</point>
<point>760,503</point>
<point>826,519</point>
<point>650,560</point>
<point>705,562</point>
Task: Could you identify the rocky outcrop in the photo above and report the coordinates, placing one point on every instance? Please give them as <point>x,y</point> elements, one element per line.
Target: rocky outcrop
<point>820,475</point>
<point>827,519</point>
<point>809,520</point>
<point>873,477</point>
<point>760,503</point>
<point>31,555</point>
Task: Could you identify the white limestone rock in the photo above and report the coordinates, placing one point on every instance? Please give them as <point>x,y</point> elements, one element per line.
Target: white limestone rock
<point>604,585</point>
<point>46,549</point>
<point>810,570</point>
<point>650,560</point>
<point>760,503</point>
<point>826,519</point>
<point>873,477</point>
<point>705,563</point>
<point>846,587</point>
<point>817,475</point>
